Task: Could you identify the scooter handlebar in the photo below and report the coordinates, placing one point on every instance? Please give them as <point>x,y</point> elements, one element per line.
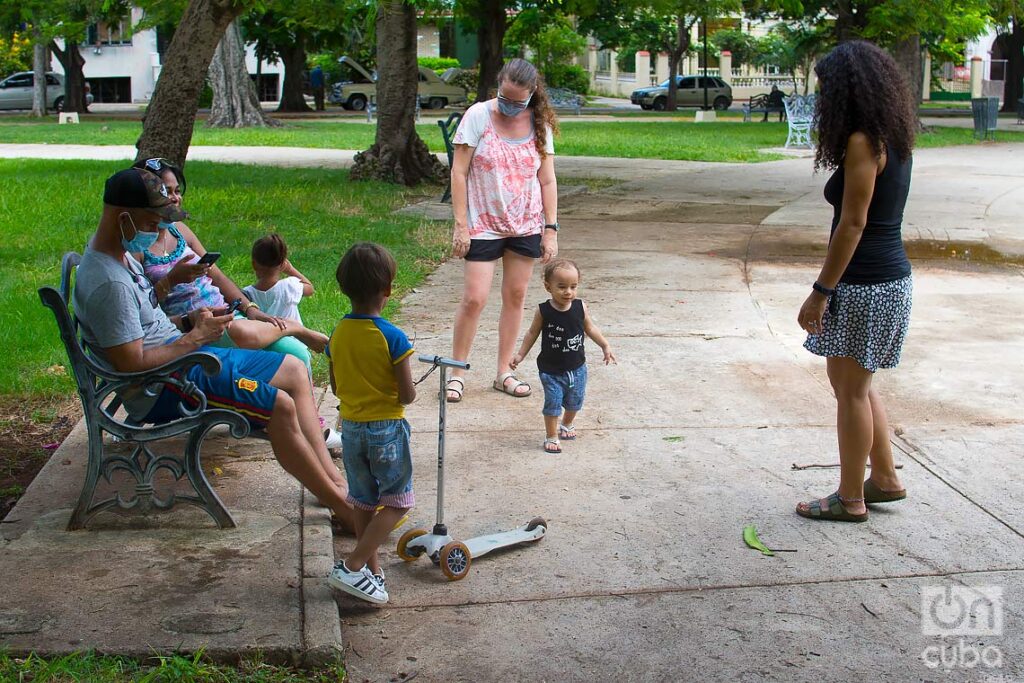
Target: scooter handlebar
<point>441,360</point>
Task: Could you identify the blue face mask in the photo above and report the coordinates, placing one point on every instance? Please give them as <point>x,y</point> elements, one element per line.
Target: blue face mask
<point>511,108</point>
<point>164,225</point>
<point>142,240</point>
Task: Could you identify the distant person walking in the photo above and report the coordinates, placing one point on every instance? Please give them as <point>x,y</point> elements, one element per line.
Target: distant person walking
<point>316,82</point>
<point>505,201</point>
<point>859,310</point>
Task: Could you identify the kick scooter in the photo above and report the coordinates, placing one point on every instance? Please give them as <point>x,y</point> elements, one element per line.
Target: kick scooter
<point>453,556</point>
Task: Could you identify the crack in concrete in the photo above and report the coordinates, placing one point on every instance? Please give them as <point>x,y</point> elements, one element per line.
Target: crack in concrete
<point>911,450</point>
<point>592,595</point>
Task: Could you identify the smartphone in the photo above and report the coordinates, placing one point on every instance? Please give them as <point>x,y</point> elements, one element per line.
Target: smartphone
<point>235,305</point>
<point>209,258</point>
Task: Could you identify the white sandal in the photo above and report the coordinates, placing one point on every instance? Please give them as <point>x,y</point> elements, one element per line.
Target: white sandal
<point>448,387</point>
<point>500,385</point>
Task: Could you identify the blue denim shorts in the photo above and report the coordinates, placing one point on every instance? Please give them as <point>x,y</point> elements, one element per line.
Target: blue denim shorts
<point>378,463</point>
<point>564,390</point>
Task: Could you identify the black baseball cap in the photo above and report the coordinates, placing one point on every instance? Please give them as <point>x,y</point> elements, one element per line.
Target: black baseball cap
<point>135,188</point>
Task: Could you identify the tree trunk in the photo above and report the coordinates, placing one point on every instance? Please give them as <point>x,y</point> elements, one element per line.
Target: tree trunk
<point>490,38</point>
<point>39,71</point>
<point>907,54</point>
<point>167,126</point>
<point>74,77</point>
<point>294,59</point>
<point>675,55</point>
<point>398,155</point>
<point>1013,89</point>
<point>235,102</point>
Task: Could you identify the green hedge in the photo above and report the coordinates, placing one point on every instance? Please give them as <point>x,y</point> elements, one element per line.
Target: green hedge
<point>438,64</point>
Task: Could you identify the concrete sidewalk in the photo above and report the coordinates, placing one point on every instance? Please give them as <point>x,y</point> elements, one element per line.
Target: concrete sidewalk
<point>695,272</point>
<point>643,575</point>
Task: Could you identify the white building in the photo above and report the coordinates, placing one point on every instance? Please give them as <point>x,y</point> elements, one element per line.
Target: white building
<point>122,66</point>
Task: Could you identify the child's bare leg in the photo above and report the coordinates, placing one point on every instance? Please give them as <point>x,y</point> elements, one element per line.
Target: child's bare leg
<point>374,534</point>
<point>254,334</point>
<point>551,426</point>
<point>316,341</point>
<point>361,518</point>
<point>568,417</point>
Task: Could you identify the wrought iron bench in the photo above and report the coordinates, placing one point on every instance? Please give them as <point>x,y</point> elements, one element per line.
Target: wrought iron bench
<point>98,388</point>
<point>759,104</point>
<point>448,128</point>
<point>562,98</point>
<point>800,115</point>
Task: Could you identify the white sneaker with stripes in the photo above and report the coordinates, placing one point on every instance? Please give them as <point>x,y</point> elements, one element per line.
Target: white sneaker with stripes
<point>361,584</point>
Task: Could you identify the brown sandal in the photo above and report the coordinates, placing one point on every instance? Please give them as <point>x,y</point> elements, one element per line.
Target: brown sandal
<point>830,509</point>
<point>873,494</point>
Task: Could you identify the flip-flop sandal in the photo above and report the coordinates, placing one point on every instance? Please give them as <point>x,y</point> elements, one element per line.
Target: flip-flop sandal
<point>873,494</point>
<point>459,391</point>
<point>566,433</point>
<point>502,384</point>
<point>552,447</point>
<point>830,509</point>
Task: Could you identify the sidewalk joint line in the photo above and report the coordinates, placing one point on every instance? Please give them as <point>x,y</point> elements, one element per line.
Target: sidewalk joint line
<point>913,452</point>
<point>705,589</point>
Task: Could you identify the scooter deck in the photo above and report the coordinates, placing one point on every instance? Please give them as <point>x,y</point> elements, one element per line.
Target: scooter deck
<point>481,545</point>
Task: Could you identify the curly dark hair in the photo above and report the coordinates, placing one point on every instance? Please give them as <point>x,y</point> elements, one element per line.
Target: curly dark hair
<point>525,75</point>
<point>860,88</point>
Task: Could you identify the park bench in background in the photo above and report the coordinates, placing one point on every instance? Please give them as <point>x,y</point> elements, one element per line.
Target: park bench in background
<point>759,104</point>
<point>800,115</point>
<point>561,98</point>
<point>448,128</point>
<point>97,387</point>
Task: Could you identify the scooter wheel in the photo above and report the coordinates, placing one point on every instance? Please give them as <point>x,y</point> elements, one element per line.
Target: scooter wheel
<point>403,544</point>
<point>455,560</point>
<point>536,522</point>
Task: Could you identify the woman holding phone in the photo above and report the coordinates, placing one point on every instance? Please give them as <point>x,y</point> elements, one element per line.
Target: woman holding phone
<point>186,279</point>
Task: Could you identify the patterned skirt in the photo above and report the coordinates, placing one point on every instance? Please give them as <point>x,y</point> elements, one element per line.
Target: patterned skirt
<point>866,322</point>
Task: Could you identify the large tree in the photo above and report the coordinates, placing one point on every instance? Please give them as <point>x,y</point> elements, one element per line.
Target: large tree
<point>167,128</point>
<point>1008,15</point>
<point>398,155</point>
<point>235,102</point>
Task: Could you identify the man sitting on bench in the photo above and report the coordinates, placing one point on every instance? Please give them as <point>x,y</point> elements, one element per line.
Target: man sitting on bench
<point>775,103</point>
<point>127,331</point>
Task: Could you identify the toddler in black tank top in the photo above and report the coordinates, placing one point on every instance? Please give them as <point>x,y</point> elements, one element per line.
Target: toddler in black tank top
<point>561,322</point>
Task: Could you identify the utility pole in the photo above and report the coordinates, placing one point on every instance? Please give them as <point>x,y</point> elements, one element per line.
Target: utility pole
<point>704,22</point>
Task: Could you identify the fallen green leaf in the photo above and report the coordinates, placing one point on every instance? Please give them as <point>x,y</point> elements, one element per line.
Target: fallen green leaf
<point>752,541</point>
<point>673,439</point>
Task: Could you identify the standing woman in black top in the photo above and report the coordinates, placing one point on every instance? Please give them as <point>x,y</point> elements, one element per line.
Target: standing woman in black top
<point>858,311</point>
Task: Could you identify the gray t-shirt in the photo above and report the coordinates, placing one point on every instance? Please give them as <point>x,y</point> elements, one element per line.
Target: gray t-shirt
<point>113,302</point>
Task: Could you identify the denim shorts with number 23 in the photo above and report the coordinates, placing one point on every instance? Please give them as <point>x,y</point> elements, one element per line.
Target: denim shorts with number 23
<point>378,463</point>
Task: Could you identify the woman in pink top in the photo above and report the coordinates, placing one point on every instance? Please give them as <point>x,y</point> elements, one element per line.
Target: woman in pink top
<point>505,201</point>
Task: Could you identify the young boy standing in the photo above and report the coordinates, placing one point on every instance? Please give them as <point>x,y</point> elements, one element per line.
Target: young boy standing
<point>372,378</point>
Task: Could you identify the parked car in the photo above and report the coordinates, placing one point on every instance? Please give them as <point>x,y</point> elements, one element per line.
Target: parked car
<point>16,91</point>
<point>689,93</point>
<point>434,93</point>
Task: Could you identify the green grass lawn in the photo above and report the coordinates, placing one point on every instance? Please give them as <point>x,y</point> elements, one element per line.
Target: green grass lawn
<point>50,207</point>
<point>672,138</point>
<point>91,668</point>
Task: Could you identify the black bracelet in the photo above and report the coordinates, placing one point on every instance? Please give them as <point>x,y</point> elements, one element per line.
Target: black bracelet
<point>822,289</point>
<point>551,226</point>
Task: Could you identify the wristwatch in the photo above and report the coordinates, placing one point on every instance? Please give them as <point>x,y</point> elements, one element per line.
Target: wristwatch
<point>551,226</point>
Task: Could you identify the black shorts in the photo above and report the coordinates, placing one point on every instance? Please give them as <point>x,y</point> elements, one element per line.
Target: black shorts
<point>492,250</point>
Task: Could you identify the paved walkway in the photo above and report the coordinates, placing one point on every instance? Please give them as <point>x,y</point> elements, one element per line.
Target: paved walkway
<point>695,272</point>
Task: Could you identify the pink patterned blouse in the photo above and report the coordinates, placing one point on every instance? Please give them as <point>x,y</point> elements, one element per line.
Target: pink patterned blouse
<point>503,190</point>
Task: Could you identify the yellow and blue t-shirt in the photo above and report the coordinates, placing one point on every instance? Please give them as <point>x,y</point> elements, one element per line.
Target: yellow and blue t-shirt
<point>364,351</point>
